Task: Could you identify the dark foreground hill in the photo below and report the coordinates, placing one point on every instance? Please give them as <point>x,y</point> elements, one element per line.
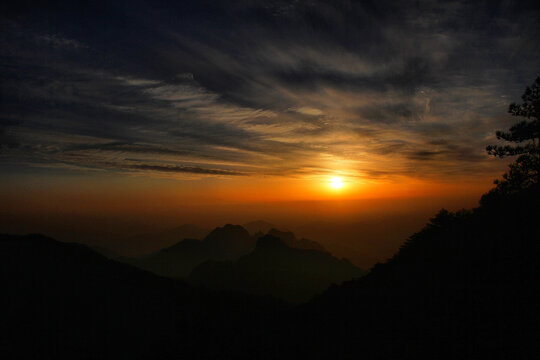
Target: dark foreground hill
<point>62,300</point>
<point>275,269</point>
<point>465,287</point>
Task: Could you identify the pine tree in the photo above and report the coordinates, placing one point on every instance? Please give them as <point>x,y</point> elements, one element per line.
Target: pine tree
<point>524,173</point>
<point>524,131</point>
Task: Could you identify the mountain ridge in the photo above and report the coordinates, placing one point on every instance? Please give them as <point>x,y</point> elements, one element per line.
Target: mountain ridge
<point>276,269</point>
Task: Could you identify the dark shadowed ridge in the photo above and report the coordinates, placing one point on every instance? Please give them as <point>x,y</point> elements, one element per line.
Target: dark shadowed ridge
<point>466,286</point>
<point>175,261</point>
<point>147,243</point>
<point>288,238</point>
<point>108,253</point>
<point>223,243</point>
<point>258,226</point>
<point>63,300</point>
<point>278,270</point>
<point>229,242</point>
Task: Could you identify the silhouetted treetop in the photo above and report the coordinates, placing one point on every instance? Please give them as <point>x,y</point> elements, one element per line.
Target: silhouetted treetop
<point>525,130</point>
<point>524,172</point>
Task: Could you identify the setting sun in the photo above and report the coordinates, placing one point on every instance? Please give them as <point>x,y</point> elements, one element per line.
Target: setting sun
<point>336,183</point>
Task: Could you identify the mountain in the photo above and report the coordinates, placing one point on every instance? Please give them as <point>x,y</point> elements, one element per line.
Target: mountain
<point>466,286</point>
<point>275,269</point>
<point>63,300</point>
<point>175,261</point>
<point>147,243</point>
<point>223,243</point>
<point>290,240</point>
<point>228,242</point>
<point>108,253</point>
<point>258,226</point>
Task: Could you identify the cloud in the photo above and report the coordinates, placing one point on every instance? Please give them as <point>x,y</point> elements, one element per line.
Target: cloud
<point>181,169</point>
<point>59,42</point>
<point>308,111</point>
<point>137,82</point>
<point>388,88</point>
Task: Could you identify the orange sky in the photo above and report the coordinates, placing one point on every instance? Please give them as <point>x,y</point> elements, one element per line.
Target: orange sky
<point>112,194</point>
<point>366,220</point>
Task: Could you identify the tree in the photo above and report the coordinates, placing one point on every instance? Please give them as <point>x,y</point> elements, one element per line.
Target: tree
<point>525,130</point>
<point>524,172</point>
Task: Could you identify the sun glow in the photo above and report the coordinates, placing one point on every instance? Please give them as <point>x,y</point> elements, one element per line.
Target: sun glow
<point>336,182</point>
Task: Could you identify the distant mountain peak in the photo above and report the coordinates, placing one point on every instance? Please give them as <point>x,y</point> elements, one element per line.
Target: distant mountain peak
<point>283,235</point>
<point>275,268</point>
<point>270,242</point>
<point>181,245</point>
<point>228,242</point>
<point>290,240</point>
<point>254,227</point>
<point>227,231</point>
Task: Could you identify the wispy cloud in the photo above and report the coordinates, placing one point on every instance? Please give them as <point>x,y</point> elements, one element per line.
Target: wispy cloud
<point>59,42</point>
<point>180,169</point>
<point>389,89</point>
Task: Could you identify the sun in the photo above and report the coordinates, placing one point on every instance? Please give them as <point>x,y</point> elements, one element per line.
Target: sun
<point>336,182</point>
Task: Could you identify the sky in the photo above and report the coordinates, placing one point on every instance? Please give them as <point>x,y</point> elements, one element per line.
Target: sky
<point>203,110</point>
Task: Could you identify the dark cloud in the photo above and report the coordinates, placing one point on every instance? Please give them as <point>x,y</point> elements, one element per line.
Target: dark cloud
<point>391,113</point>
<point>181,169</point>
<point>259,84</point>
<point>424,155</point>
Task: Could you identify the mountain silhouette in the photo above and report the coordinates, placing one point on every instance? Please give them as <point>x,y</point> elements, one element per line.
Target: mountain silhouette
<point>229,242</point>
<point>290,240</point>
<point>275,269</point>
<point>64,300</point>
<point>175,261</point>
<point>223,243</point>
<point>147,243</point>
<point>258,226</point>
<point>108,253</point>
<point>466,286</point>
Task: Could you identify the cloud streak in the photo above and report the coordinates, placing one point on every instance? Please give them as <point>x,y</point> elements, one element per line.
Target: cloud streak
<point>180,169</point>
<point>390,89</point>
